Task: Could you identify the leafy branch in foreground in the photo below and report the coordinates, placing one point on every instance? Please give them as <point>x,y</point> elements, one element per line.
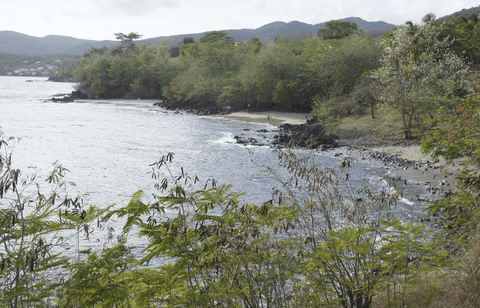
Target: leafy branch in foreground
<point>353,247</point>
<point>457,139</point>
<point>32,229</point>
<point>318,242</point>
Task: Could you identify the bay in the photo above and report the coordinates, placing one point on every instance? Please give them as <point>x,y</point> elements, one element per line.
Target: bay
<point>109,145</point>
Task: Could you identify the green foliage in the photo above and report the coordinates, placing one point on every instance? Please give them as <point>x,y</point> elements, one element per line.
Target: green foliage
<point>339,65</point>
<point>350,239</point>
<point>456,136</point>
<point>30,223</point>
<point>311,245</point>
<point>127,47</point>
<point>325,112</point>
<point>285,74</point>
<point>419,72</point>
<point>457,132</point>
<point>126,71</point>
<point>421,69</point>
<point>270,76</point>
<point>337,29</point>
<point>215,37</point>
<point>99,280</point>
<point>320,241</point>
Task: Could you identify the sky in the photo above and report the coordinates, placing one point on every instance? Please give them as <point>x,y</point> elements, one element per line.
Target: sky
<point>100,19</point>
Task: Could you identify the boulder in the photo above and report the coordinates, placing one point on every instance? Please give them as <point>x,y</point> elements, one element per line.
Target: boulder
<point>310,135</point>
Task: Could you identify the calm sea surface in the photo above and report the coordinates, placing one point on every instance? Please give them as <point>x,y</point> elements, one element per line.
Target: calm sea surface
<point>109,146</point>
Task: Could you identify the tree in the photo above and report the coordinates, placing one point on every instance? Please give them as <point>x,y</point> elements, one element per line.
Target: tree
<point>468,35</point>
<point>270,75</point>
<point>207,66</point>
<point>92,74</point>
<point>418,72</point>
<point>127,46</point>
<point>339,65</point>
<point>337,29</point>
<point>216,36</point>
<point>188,40</point>
<point>457,135</point>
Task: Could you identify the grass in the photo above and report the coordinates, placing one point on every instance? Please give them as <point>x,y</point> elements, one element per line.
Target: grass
<point>383,126</point>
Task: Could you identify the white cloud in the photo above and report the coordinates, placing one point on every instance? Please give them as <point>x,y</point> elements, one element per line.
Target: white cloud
<point>135,7</point>
<point>99,19</point>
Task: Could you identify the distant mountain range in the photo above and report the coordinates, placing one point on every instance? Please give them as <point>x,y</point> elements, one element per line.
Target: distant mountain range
<point>18,43</point>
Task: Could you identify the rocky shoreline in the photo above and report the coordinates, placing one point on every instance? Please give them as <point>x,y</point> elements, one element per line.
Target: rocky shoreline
<point>69,98</point>
<point>403,159</point>
<point>309,135</point>
<point>192,108</point>
<point>407,165</point>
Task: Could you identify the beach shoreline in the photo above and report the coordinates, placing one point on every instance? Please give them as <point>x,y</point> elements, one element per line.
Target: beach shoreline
<point>274,118</point>
<point>424,170</point>
<point>427,171</point>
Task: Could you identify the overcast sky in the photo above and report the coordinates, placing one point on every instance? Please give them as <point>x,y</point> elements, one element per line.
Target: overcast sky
<point>99,19</point>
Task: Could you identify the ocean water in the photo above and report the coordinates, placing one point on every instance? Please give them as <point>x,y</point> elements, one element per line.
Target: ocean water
<point>109,146</point>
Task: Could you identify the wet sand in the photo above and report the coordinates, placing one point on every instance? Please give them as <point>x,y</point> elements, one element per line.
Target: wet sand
<point>274,118</point>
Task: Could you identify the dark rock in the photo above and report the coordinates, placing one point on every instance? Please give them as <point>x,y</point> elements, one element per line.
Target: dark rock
<point>310,135</point>
<point>68,98</point>
<point>192,107</point>
<point>60,79</point>
<point>240,140</point>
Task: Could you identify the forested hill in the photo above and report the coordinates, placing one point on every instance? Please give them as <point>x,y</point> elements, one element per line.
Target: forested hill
<point>17,43</point>
<point>465,12</point>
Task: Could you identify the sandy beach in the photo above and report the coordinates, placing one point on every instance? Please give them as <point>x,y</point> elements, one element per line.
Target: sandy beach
<point>274,118</point>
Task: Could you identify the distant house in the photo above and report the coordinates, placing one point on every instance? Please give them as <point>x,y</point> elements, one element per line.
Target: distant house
<point>20,71</point>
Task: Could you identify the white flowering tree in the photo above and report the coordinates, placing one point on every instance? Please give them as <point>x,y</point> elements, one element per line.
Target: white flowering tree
<point>419,72</point>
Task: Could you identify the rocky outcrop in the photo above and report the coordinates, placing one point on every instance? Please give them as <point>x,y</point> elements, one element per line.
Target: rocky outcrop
<point>60,79</point>
<point>191,107</point>
<point>402,163</point>
<point>68,98</point>
<point>310,135</point>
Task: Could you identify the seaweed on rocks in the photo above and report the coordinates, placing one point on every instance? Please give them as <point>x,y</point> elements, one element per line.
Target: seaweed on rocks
<point>310,135</point>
